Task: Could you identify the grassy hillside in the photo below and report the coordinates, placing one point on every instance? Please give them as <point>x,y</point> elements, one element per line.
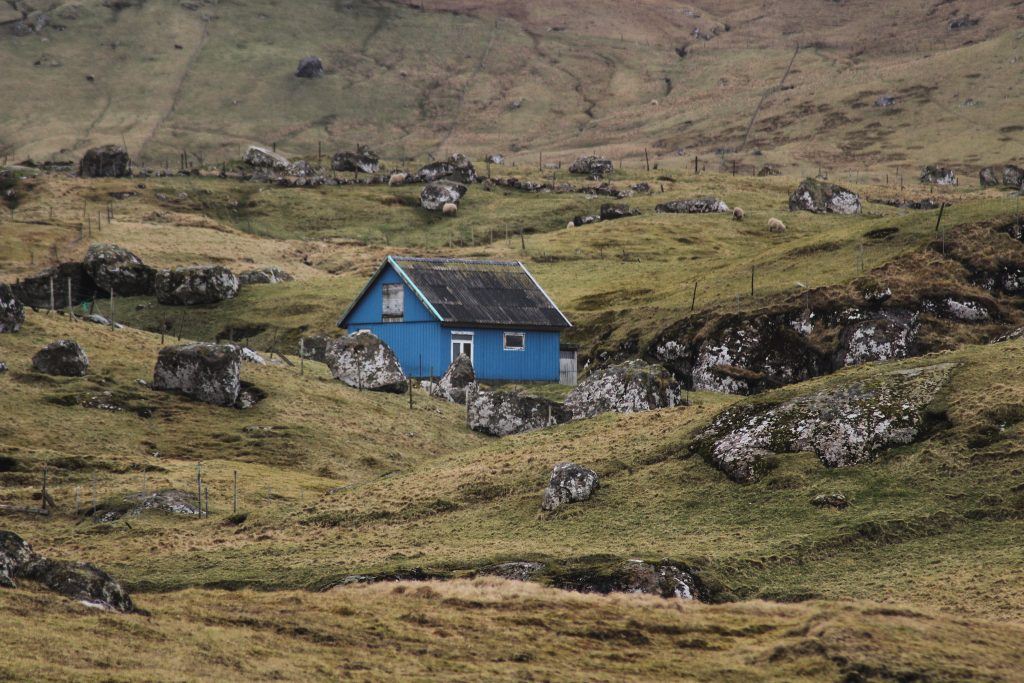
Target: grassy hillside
<point>412,79</point>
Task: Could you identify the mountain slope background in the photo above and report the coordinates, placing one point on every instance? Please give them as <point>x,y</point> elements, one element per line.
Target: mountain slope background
<point>415,79</point>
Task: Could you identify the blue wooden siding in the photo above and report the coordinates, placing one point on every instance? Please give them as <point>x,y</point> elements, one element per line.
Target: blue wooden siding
<point>420,341</point>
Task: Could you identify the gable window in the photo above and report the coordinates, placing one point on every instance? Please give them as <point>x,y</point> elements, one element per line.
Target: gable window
<point>462,342</point>
<point>394,303</point>
<point>515,341</point>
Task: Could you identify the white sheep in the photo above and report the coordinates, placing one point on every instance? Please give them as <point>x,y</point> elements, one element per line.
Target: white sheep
<point>570,225</point>
<point>449,209</point>
<point>397,179</point>
<point>737,214</point>
<point>775,225</point>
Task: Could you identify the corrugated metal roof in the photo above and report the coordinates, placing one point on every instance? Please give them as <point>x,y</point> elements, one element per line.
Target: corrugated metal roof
<point>487,293</point>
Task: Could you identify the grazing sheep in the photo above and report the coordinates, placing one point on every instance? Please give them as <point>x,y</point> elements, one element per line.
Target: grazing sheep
<point>775,225</point>
<point>570,225</point>
<point>397,179</point>
<point>449,209</point>
<point>737,214</point>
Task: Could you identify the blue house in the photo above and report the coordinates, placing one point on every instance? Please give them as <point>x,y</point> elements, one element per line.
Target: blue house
<point>429,310</point>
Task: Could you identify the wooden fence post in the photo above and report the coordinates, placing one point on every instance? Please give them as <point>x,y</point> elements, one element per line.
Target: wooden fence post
<point>234,494</point>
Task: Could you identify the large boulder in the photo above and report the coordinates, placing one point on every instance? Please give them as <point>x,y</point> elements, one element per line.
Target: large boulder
<point>203,371</point>
<point>362,360</point>
<point>569,483</point>
<point>12,312</point>
<point>63,357</point>
<point>591,165</point>
<point>844,425</point>
<point>610,212</point>
<point>261,157</point>
<point>188,286</point>
<point>1013,176</point>
<point>938,175</point>
<point>310,67</point>
<point>457,167</point>
<point>109,161</point>
<point>699,205</point>
<point>821,197</point>
<point>887,336</point>
<point>631,387</point>
<point>500,413</point>
<point>436,194</point>
<point>989,177</point>
<point>360,161</point>
<point>264,276</point>
<point>115,269</point>
<point>455,380</point>
<point>83,582</point>
<point>35,291</point>
<point>15,553</point>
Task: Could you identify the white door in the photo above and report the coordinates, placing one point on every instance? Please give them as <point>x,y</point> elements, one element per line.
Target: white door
<point>462,342</point>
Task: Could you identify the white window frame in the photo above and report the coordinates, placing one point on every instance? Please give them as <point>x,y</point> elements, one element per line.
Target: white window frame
<point>504,341</point>
<point>472,344</point>
<point>384,315</point>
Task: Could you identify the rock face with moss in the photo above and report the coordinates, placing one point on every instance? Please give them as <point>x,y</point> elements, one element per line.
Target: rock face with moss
<point>115,269</point>
<point>500,413</point>
<point>35,291</point>
<point>108,161</point>
<point>570,483</point>
<point>363,361</point>
<point>203,371</point>
<point>630,387</point>
<point>844,426</point>
<point>937,175</point>
<point>12,313</point>
<point>820,197</point>
<point>665,580</point>
<point>699,205</point>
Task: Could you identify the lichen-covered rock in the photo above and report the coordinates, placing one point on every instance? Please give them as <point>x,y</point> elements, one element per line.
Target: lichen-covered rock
<point>35,291</point>
<point>989,177</point>
<point>1013,176</point>
<point>203,371</point>
<point>821,197</point>
<point>699,205</point>
<point>937,175</point>
<point>310,67</point>
<point>830,500</point>
<point>261,157</point>
<point>665,580</point>
<point>15,553</point>
<point>570,483</point>
<point>63,357</point>
<point>169,501</point>
<point>630,387</point>
<point>116,269</point>
<point>314,347</point>
<point>193,285</point>
<point>844,426</point>
<point>500,413</point>
<point>610,212</point>
<point>769,170</point>
<point>453,383</point>
<point>264,276</point>
<point>882,338</point>
<point>435,195</point>
<point>12,313</point>
<point>86,583</point>
<point>513,571</point>
<point>361,161</point>
<point>108,161</point>
<point>363,361</point>
<point>577,221</point>
<point>457,168</point>
<point>592,166</point>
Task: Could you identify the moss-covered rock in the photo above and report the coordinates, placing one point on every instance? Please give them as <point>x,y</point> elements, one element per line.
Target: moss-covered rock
<point>820,197</point>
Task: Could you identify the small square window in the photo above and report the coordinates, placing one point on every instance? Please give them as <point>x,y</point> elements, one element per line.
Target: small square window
<point>393,303</point>
<point>515,341</point>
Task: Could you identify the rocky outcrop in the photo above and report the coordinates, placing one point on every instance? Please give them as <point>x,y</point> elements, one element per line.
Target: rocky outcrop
<point>310,67</point>
<point>989,177</point>
<point>610,212</point>
<point>1013,176</point>
<point>12,312</point>
<point>115,269</point>
<point>83,582</point>
<point>363,361</point>
<point>844,425</point>
<point>203,371</point>
<point>665,580</point>
<point>264,276</point>
<point>592,166</point>
<point>457,168</point>
<point>769,170</point>
<point>500,413</point>
<point>315,347</point>
<point>63,357</point>
<point>577,221</point>
<point>192,285</point>
<point>109,161</point>
<point>630,387</point>
<point>261,157</point>
<point>821,197</point>
<point>35,291</point>
<point>569,483</point>
<point>436,194</point>
<point>888,336</point>
<point>167,501</point>
<point>937,175</point>
<point>513,571</point>
<point>360,161</point>
<point>830,500</point>
<point>699,205</point>
<point>455,380</point>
